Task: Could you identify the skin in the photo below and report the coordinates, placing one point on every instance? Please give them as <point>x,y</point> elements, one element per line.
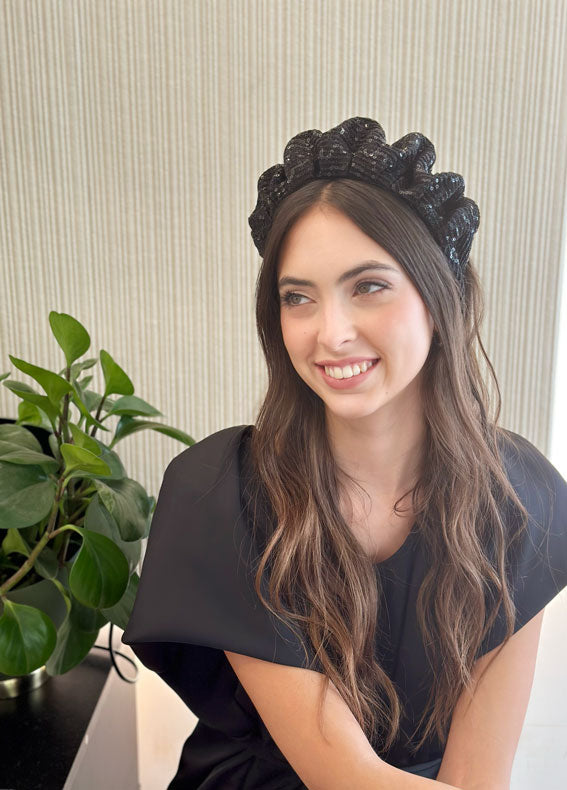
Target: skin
<point>376,314</point>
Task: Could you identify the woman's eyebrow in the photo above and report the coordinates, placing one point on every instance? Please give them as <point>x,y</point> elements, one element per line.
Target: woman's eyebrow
<point>348,275</point>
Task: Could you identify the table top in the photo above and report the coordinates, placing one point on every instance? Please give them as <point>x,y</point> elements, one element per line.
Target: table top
<point>42,730</point>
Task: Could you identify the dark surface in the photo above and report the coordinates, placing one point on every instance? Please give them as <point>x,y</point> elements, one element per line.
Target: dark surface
<point>41,731</point>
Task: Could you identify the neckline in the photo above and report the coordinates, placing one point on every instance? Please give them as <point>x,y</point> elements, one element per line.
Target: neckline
<point>401,550</point>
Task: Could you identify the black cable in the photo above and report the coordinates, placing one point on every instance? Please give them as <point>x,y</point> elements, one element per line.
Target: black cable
<point>114,653</point>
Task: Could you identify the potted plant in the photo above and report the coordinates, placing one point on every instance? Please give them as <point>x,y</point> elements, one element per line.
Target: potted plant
<point>71,520</point>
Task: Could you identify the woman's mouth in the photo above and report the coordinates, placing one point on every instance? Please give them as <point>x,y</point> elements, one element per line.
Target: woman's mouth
<point>348,371</point>
<point>346,376</point>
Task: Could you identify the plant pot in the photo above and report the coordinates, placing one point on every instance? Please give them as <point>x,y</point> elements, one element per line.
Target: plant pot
<point>13,686</point>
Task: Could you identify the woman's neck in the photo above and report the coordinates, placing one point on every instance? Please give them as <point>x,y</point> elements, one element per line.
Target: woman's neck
<point>383,454</point>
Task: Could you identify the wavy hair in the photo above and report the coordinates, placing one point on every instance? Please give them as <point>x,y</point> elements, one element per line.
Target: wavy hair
<point>320,579</point>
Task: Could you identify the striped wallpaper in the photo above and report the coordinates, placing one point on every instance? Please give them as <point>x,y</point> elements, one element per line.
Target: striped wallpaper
<point>132,134</point>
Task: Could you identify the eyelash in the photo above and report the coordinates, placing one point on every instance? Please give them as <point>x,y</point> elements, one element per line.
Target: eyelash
<point>286,298</point>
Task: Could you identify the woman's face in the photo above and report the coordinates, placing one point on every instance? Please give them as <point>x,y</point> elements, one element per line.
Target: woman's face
<point>354,325</point>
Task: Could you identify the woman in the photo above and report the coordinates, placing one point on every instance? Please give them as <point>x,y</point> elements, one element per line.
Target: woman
<point>350,593</point>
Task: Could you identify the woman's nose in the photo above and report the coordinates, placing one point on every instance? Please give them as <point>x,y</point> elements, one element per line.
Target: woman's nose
<point>336,325</point>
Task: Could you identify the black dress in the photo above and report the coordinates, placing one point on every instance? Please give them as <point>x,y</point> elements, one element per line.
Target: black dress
<point>196,599</point>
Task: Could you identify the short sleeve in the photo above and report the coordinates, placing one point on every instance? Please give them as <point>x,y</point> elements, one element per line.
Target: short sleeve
<point>196,594</point>
<point>537,561</point>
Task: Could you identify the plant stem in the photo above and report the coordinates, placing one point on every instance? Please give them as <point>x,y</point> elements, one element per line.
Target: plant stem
<point>63,550</point>
<point>27,565</point>
<point>97,415</point>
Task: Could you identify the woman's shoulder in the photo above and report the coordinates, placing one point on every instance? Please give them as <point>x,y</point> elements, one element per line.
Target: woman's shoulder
<point>529,471</point>
<point>210,457</point>
<point>543,492</point>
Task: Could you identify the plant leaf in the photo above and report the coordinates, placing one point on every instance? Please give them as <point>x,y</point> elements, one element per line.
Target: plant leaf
<point>131,404</point>
<point>128,425</point>
<point>27,638</point>
<point>73,641</point>
<point>98,519</point>
<point>83,440</point>
<point>70,334</point>
<point>47,595</point>
<point>120,613</point>
<point>84,382</point>
<point>54,386</point>
<point>82,463</point>
<point>78,398</point>
<point>78,367</point>
<point>29,414</point>
<point>14,543</point>
<point>46,564</point>
<point>127,501</point>
<point>27,393</point>
<point>99,575</point>
<point>26,495</point>
<point>115,379</point>
<point>19,446</point>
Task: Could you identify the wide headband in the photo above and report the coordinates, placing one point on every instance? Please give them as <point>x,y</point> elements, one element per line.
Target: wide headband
<point>357,148</point>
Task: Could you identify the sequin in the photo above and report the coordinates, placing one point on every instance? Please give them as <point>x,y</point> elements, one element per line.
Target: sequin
<point>357,148</point>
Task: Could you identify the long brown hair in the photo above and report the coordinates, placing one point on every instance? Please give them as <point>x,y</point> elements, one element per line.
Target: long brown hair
<point>320,579</point>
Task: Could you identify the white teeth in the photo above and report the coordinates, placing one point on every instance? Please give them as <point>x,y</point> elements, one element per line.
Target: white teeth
<point>348,371</point>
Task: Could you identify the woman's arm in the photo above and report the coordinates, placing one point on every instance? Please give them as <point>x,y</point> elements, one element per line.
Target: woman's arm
<point>341,757</point>
<point>486,725</point>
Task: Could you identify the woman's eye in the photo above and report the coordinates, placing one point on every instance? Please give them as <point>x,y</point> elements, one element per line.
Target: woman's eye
<point>369,287</point>
<point>293,299</point>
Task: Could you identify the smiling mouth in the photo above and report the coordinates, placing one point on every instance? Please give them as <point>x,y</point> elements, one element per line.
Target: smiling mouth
<point>348,371</point>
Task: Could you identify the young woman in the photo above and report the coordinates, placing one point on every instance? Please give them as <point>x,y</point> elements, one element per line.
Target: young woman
<point>349,594</point>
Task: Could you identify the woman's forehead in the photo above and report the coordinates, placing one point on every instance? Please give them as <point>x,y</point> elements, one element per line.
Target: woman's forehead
<point>325,237</point>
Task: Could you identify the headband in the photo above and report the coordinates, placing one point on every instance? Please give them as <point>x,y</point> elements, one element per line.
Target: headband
<point>357,148</point>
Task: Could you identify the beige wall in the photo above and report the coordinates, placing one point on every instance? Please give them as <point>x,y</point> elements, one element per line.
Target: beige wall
<point>132,133</point>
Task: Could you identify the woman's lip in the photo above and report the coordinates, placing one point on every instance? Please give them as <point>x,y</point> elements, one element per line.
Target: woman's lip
<point>340,363</point>
<point>350,383</point>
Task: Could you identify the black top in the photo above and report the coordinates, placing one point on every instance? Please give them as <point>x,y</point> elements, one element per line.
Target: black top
<point>196,598</point>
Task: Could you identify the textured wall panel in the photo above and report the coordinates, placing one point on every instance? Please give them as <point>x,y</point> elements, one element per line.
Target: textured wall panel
<point>132,135</point>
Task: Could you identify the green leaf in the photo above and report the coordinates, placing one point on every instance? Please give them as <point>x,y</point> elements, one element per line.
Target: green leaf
<point>49,596</point>
<point>27,638</point>
<point>73,641</point>
<point>127,501</point>
<point>82,463</point>
<point>78,398</point>
<point>14,543</point>
<point>84,382</point>
<point>115,379</point>
<point>99,575</point>
<point>128,425</point>
<point>29,414</point>
<point>78,367</point>
<point>98,519</point>
<point>54,386</point>
<point>83,440</point>
<point>19,446</point>
<point>26,495</point>
<point>117,471</point>
<point>4,376</point>
<point>27,393</point>
<point>122,611</point>
<point>46,564</point>
<point>70,334</point>
<point>132,405</point>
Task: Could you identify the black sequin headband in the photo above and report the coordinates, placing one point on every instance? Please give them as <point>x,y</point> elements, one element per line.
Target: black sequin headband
<point>357,148</point>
